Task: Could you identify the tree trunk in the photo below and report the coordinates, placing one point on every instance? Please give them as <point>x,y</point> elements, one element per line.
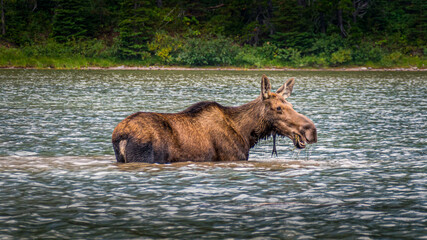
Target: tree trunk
<point>3,22</point>
<point>355,11</point>
<point>341,24</point>
<point>360,7</point>
<point>270,16</point>
<point>35,6</point>
<point>159,3</point>
<point>322,23</point>
<point>255,36</point>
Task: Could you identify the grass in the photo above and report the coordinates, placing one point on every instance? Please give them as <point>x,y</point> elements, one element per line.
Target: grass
<point>15,57</point>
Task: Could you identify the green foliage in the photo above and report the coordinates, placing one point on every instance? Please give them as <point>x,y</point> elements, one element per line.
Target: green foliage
<point>298,40</point>
<point>391,59</point>
<point>248,57</point>
<point>70,20</point>
<point>164,46</point>
<point>310,61</point>
<point>341,56</point>
<point>88,48</point>
<point>138,18</point>
<point>293,26</point>
<point>367,52</point>
<point>288,54</point>
<point>268,51</point>
<point>260,33</point>
<point>327,45</point>
<point>213,52</point>
<point>10,56</point>
<point>14,57</point>
<point>24,26</point>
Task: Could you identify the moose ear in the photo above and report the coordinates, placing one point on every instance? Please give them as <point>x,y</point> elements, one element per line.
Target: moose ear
<point>265,87</point>
<point>286,89</point>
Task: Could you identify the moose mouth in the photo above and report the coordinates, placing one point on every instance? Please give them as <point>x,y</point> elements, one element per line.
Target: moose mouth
<point>298,141</point>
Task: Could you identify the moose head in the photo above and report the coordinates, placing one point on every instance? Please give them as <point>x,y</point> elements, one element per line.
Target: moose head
<point>281,116</point>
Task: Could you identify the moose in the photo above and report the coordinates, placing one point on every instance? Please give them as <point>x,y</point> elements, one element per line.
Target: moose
<point>208,131</point>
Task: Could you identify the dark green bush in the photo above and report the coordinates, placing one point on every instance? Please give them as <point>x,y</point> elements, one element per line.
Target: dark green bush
<point>213,52</point>
<point>248,57</point>
<point>267,51</point>
<point>310,61</point>
<point>87,48</point>
<point>340,57</point>
<point>391,59</point>
<point>290,55</point>
<point>367,52</point>
<point>327,45</point>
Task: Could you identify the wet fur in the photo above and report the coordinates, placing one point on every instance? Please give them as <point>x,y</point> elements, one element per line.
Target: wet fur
<point>206,131</point>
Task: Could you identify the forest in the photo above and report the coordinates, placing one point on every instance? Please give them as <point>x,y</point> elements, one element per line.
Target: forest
<point>249,34</point>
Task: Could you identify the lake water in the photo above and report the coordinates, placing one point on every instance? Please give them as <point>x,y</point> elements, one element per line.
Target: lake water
<point>366,178</point>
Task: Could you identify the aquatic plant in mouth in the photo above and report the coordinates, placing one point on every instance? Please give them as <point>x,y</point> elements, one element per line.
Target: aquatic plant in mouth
<point>295,154</point>
<point>297,151</point>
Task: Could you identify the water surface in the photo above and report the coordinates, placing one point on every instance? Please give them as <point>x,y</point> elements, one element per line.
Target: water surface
<point>364,179</point>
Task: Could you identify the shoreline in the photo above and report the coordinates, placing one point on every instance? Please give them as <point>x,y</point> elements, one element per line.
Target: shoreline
<point>167,68</point>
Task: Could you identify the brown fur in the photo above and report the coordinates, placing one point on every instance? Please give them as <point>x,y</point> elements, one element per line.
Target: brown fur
<point>208,131</point>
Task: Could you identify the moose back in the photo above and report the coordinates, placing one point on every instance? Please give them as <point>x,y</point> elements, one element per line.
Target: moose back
<point>208,131</point>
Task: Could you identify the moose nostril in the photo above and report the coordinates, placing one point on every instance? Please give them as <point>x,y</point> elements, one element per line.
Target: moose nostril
<point>310,133</point>
<point>314,135</point>
<point>307,128</point>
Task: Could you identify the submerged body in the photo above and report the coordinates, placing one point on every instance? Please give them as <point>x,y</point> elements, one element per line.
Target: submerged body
<point>203,132</point>
<point>208,131</point>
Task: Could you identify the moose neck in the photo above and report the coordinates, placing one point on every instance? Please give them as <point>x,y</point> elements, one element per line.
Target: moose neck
<point>249,122</point>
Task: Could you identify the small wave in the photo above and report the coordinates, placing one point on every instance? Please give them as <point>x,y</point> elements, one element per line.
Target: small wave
<point>38,163</point>
<point>103,163</point>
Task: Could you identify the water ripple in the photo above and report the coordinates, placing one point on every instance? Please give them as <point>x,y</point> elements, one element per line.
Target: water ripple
<point>365,178</point>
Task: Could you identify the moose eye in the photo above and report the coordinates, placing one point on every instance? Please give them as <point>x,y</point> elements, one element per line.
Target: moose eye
<point>279,109</point>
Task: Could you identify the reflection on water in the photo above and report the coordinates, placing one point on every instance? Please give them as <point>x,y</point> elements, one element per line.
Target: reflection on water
<point>365,178</point>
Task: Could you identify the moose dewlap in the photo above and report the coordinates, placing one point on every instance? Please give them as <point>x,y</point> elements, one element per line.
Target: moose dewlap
<point>208,131</point>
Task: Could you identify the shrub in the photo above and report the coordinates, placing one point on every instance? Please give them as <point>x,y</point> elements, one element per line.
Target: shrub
<point>199,52</point>
<point>248,56</point>
<point>50,48</point>
<point>163,46</point>
<point>341,56</point>
<point>294,39</point>
<point>391,59</point>
<point>310,61</point>
<point>288,54</point>
<point>10,56</point>
<point>327,44</point>
<point>367,53</point>
<point>87,48</point>
<point>267,51</point>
